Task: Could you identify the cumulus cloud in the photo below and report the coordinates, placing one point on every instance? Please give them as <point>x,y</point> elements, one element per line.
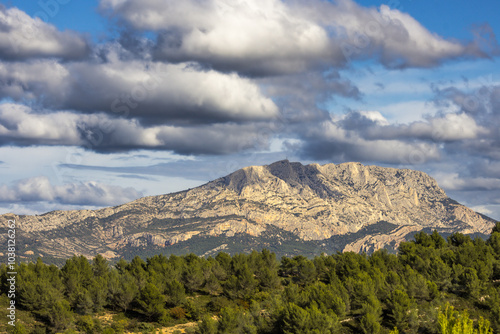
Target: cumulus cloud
<point>453,181</point>
<point>149,91</point>
<point>39,189</point>
<point>247,36</point>
<point>23,37</point>
<point>368,136</point>
<point>330,141</point>
<point>275,37</point>
<point>20,125</point>
<point>445,128</point>
<point>481,108</point>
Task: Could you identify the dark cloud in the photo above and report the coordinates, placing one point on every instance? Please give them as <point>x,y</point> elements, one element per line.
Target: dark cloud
<point>300,95</point>
<point>138,177</point>
<point>330,140</point>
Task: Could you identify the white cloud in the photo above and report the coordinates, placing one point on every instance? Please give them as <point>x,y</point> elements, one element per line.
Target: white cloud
<point>138,88</point>
<point>20,125</point>
<point>453,181</point>
<point>22,37</point>
<point>39,189</point>
<point>375,116</point>
<point>273,36</point>
<point>484,209</point>
<point>450,127</point>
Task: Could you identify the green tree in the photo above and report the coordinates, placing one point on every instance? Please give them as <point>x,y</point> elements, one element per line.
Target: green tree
<point>99,293</point>
<point>212,285</point>
<point>175,293</point>
<point>82,302</point>
<point>122,290</point>
<point>469,282</point>
<point>297,320</point>
<point>77,273</point>
<point>193,277</point>
<point>494,240</point>
<point>454,322</point>
<point>100,266</point>
<point>242,283</point>
<point>207,326</point>
<point>266,270</point>
<point>233,321</point>
<point>19,328</point>
<point>496,228</point>
<point>403,313</point>
<point>151,302</point>
<point>371,312</point>
<point>137,268</point>
<point>60,315</point>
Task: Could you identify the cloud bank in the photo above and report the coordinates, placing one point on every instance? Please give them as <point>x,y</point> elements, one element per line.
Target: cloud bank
<point>39,189</point>
<point>276,37</point>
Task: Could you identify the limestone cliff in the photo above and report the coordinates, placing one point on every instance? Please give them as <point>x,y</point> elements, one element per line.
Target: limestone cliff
<point>310,203</point>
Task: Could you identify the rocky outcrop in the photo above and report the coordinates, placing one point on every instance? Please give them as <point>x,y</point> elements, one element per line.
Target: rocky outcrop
<point>312,202</point>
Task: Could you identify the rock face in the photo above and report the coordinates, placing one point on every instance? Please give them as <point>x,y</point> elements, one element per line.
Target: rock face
<point>280,202</point>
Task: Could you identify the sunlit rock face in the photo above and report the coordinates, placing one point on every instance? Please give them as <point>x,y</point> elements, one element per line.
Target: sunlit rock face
<point>311,202</point>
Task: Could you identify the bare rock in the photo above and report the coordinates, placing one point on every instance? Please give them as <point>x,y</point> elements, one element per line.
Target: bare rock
<point>312,202</point>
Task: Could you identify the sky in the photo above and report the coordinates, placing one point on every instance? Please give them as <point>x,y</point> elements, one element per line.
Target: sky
<point>106,101</point>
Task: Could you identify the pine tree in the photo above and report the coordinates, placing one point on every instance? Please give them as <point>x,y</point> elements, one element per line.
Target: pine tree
<point>151,302</point>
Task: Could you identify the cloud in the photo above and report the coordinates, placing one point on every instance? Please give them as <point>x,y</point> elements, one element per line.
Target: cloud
<point>367,136</point>
<point>21,126</point>
<point>39,189</point>
<point>482,107</point>
<point>453,181</point>
<point>300,96</point>
<point>246,36</point>
<point>330,141</point>
<point>148,91</point>
<point>267,37</point>
<point>446,128</point>
<point>482,209</point>
<point>23,37</point>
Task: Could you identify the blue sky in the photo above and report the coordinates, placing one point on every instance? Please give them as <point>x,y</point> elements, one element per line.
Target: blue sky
<point>106,101</point>
<point>75,15</point>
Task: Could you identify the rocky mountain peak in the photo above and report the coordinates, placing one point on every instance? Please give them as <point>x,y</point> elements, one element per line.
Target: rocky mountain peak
<point>282,203</point>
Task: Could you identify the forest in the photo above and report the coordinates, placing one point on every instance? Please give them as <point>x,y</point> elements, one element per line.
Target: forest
<point>432,285</point>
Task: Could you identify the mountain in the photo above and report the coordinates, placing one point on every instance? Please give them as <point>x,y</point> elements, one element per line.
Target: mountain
<point>286,207</point>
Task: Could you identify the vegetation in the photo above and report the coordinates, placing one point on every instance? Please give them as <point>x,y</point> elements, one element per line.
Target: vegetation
<point>433,285</point>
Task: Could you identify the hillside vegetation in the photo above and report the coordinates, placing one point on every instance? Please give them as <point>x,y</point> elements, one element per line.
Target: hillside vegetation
<point>433,285</point>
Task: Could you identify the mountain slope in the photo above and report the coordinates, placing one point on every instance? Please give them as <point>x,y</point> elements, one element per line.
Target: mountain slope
<point>285,206</point>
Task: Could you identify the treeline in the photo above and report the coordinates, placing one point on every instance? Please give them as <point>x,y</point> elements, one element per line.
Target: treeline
<point>433,285</point>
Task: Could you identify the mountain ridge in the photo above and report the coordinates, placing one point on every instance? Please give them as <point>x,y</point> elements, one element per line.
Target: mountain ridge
<point>313,203</point>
